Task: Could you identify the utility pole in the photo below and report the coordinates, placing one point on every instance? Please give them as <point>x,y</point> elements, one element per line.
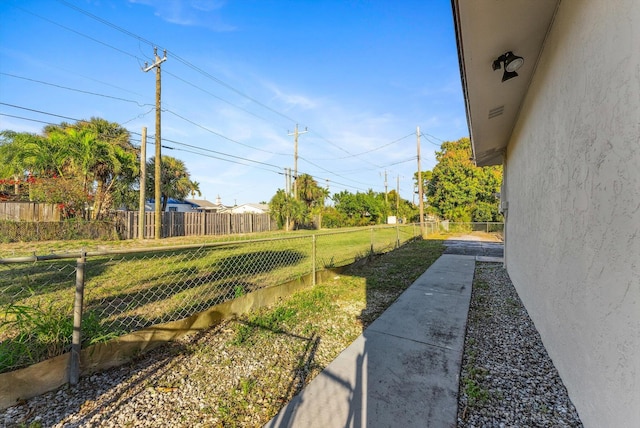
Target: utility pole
<point>286,181</point>
<point>143,184</point>
<point>158,164</point>
<point>421,201</point>
<point>386,192</point>
<point>398,197</point>
<point>295,159</point>
<point>386,198</point>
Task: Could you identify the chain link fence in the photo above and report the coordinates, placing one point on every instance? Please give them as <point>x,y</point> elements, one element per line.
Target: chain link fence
<point>107,294</point>
<point>118,292</point>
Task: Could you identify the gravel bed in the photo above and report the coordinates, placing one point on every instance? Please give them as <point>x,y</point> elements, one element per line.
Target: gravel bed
<point>507,379</point>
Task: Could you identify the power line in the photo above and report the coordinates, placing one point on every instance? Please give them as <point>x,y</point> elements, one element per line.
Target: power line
<point>177,57</point>
<point>215,96</point>
<point>222,153</point>
<point>374,149</point>
<point>223,136</point>
<point>131,140</point>
<point>26,118</point>
<point>223,159</point>
<point>201,71</point>
<point>205,149</point>
<point>40,111</point>
<point>428,138</point>
<point>75,90</point>
<point>424,134</point>
<point>330,172</point>
<point>105,22</point>
<point>77,32</point>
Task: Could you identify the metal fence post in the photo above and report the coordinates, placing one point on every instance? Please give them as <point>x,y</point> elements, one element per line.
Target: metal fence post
<point>74,368</point>
<point>313,260</point>
<point>371,242</point>
<point>397,235</point>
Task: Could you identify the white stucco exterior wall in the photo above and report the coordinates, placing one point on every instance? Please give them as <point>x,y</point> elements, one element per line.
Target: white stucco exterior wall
<point>573,193</point>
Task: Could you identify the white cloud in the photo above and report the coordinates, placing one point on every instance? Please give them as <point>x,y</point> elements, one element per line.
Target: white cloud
<point>193,13</point>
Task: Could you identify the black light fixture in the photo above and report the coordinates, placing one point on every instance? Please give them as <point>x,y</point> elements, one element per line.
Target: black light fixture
<point>511,64</point>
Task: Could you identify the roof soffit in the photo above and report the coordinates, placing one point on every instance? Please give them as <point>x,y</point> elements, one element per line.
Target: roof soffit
<point>485,29</point>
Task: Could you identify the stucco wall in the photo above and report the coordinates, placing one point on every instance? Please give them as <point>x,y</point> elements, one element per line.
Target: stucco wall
<point>573,192</point>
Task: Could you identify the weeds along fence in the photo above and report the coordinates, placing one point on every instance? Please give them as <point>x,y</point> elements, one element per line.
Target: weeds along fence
<point>487,227</point>
<point>55,303</point>
<point>28,231</point>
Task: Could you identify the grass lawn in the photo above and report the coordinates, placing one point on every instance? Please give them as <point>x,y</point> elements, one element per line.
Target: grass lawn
<point>126,291</point>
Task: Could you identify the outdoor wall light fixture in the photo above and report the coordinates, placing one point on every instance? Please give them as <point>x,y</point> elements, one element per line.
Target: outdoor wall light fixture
<point>511,64</point>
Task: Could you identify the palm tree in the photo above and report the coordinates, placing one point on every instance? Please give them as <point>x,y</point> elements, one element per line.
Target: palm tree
<point>312,196</point>
<point>11,162</point>
<point>309,192</point>
<point>195,188</point>
<point>102,156</point>
<point>285,210</point>
<point>175,180</point>
<point>118,169</point>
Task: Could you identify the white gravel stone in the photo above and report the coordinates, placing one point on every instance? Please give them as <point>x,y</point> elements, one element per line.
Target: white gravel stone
<point>507,378</point>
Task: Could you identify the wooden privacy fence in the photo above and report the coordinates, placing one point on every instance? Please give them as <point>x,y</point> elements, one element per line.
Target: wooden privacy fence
<point>192,224</point>
<point>29,211</point>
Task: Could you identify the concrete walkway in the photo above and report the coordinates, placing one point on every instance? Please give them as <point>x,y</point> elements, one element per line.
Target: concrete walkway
<point>403,371</point>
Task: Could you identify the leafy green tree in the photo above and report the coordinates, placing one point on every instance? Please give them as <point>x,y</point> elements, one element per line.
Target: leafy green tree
<point>332,218</point>
<point>286,210</point>
<point>25,157</point>
<point>458,190</point>
<point>361,208</point>
<point>402,208</point>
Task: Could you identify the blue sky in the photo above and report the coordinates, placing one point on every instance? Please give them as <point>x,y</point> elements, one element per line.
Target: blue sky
<point>239,75</point>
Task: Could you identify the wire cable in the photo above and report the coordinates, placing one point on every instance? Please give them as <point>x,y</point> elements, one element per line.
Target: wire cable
<point>176,56</point>
<point>75,90</point>
<point>223,136</point>
<point>40,111</point>
<point>77,32</point>
<point>222,153</point>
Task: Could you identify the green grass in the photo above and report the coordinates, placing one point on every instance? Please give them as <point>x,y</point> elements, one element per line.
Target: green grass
<point>472,379</point>
<point>126,292</point>
<point>45,332</point>
<point>310,328</point>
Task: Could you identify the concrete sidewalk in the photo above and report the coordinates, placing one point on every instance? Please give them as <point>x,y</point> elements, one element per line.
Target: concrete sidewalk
<point>403,371</point>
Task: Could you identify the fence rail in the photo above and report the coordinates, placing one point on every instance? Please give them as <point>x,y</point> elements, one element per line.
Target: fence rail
<point>29,211</point>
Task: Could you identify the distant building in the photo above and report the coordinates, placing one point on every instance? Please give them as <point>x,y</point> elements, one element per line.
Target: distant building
<point>248,209</point>
<point>173,205</point>
<point>207,206</point>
